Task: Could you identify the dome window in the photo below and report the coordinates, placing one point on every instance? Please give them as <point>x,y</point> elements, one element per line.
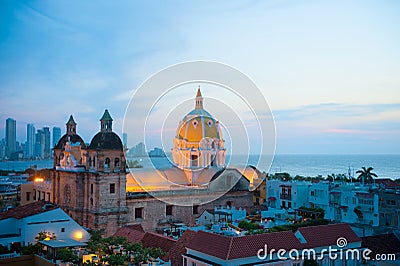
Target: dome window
<point>107,163</point>
<point>116,163</point>
<point>195,123</point>
<point>209,123</point>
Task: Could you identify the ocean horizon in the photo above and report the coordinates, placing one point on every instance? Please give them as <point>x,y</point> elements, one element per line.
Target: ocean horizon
<point>385,165</point>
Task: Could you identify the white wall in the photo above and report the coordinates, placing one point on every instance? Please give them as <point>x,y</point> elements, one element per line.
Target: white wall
<point>9,226</point>
<point>50,222</point>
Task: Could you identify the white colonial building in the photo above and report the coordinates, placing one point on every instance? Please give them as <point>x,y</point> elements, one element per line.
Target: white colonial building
<point>20,226</point>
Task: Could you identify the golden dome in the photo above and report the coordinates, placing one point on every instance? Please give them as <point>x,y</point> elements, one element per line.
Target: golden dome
<point>198,124</point>
<point>197,128</point>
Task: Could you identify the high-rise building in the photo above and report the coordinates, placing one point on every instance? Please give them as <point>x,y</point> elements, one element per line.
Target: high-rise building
<point>46,132</point>
<point>2,148</point>
<point>11,136</point>
<point>39,144</point>
<point>125,139</point>
<point>56,135</point>
<point>30,140</point>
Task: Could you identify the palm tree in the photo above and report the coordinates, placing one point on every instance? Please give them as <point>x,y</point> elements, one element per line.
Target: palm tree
<point>365,174</point>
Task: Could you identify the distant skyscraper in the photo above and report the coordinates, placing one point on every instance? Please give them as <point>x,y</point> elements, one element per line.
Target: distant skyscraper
<point>30,140</point>
<point>56,135</point>
<point>39,144</point>
<point>2,148</point>
<point>11,136</point>
<point>46,132</point>
<point>125,139</point>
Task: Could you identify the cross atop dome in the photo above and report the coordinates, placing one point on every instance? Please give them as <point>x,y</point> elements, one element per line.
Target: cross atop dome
<point>199,99</point>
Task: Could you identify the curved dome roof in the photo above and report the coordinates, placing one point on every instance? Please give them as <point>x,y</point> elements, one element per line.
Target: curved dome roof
<point>74,138</point>
<point>106,141</point>
<point>197,125</point>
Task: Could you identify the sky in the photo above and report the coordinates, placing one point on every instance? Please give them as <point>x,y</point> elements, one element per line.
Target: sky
<point>328,69</point>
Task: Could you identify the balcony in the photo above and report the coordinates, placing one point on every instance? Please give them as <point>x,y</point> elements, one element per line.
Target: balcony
<point>285,196</point>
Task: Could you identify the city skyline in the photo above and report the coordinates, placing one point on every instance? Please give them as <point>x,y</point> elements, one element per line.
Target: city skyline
<point>327,69</point>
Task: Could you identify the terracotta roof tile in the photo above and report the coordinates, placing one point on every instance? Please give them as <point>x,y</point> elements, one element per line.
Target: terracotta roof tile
<point>130,232</point>
<point>386,183</point>
<point>28,210</point>
<point>382,244</point>
<point>157,241</point>
<point>326,235</point>
<point>136,234</point>
<point>176,252</point>
<point>211,244</point>
<point>224,247</point>
<point>248,246</point>
<point>137,227</point>
<point>228,248</point>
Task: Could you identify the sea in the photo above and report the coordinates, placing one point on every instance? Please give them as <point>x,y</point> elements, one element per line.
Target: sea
<point>385,166</point>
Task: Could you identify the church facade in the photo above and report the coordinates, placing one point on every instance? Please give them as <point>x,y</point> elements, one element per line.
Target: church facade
<point>90,181</point>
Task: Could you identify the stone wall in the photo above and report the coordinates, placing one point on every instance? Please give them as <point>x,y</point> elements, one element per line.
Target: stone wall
<point>154,210</point>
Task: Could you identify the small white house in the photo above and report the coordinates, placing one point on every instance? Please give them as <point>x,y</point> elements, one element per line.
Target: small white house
<point>20,226</point>
<point>221,214</point>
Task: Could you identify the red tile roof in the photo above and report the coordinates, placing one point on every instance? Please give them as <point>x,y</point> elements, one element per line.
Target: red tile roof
<point>387,183</point>
<point>228,248</point>
<point>131,232</point>
<point>247,246</point>
<point>382,244</point>
<point>176,252</point>
<point>326,235</point>
<point>28,210</point>
<point>136,234</point>
<point>137,227</point>
<point>158,241</point>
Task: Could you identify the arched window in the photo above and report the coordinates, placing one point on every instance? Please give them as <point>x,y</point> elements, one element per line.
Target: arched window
<point>107,163</point>
<point>90,161</point>
<point>116,162</point>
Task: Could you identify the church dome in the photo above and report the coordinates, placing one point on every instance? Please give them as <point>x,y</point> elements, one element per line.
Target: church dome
<point>106,141</point>
<point>198,142</point>
<point>70,136</point>
<point>74,138</point>
<point>198,124</point>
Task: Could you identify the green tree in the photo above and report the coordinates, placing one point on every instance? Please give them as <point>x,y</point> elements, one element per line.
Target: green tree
<point>366,175</point>
<point>30,249</point>
<point>95,243</point>
<point>42,235</point>
<point>67,255</point>
<point>156,253</point>
<point>114,259</point>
